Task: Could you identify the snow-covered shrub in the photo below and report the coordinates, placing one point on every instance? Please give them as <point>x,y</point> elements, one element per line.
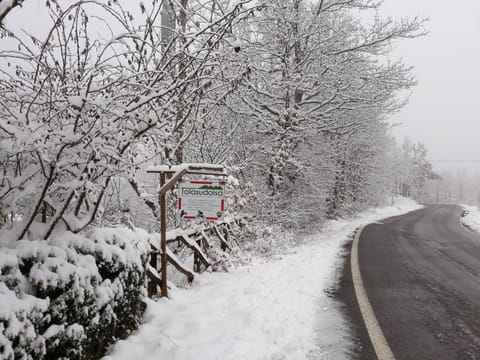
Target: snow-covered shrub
<point>252,237</point>
<point>71,296</point>
<point>220,260</point>
<point>471,217</point>
<point>19,316</point>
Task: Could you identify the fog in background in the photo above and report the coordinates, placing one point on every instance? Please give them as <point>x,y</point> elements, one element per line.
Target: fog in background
<point>443,109</point>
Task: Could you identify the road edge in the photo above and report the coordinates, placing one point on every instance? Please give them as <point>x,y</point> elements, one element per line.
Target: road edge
<point>375,333</point>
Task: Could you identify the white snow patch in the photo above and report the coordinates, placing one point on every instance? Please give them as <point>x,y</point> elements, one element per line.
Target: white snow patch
<point>236,43</point>
<point>76,101</point>
<point>275,309</point>
<point>53,330</point>
<point>472,217</point>
<point>12,304</point>
<point>75,331</point>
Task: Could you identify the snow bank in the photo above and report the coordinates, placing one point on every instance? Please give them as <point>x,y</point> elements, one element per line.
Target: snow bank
<point>472,217</point>
<point>275,309</point>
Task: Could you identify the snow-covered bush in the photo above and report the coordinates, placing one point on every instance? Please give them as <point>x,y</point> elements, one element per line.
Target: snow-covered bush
<point>471,217</point>
<point>71,296</point>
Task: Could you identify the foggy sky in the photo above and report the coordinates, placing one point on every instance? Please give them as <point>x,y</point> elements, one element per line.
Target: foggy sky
<point>443,111</point>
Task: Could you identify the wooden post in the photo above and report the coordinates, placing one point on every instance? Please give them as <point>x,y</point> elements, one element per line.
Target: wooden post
<point>225,236</point>
<point>163,236</point>
<point>196,261</point>
<point>152,285</point>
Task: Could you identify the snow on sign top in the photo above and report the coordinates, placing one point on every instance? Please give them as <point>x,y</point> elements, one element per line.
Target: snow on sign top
<point>201,200</point>
<point>187,166</point>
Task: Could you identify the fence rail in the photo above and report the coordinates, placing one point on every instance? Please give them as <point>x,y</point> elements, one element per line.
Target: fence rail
<point>199,240</point>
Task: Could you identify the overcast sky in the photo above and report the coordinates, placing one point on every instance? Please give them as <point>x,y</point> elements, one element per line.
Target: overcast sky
<point>443,111</point>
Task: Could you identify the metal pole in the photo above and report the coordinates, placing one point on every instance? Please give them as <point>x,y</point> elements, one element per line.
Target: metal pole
<point>163,237</point>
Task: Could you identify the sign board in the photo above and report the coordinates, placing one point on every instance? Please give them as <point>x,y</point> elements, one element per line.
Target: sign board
<point>201,200</point>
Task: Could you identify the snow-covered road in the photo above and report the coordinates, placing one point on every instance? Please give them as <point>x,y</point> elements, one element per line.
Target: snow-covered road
<point>275,309</point>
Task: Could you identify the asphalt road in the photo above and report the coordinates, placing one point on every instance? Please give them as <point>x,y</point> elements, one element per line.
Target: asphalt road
<point>421,272</point>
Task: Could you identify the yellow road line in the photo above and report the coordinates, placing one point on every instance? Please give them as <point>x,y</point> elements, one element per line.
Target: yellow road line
<point>375,333</point>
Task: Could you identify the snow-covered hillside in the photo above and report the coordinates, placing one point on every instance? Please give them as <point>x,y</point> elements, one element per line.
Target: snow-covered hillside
<point>275,309</point>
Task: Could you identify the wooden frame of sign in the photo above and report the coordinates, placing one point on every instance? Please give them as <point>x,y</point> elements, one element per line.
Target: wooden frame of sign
<point>169,176</point>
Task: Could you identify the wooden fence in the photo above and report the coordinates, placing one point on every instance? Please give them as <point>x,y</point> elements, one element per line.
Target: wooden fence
<point>198,240</point>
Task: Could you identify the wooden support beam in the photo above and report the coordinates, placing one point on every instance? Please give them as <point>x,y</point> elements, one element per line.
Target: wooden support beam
<point>153,275</point>
<point>206,242</point>
<point>172,259</point>
<point>197,250</point>
<point>172,181</point>
<point>223,243</point>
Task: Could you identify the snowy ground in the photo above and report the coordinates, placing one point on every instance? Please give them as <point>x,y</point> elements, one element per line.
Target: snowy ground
<point>472,217</point>
<point>272,310</point>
